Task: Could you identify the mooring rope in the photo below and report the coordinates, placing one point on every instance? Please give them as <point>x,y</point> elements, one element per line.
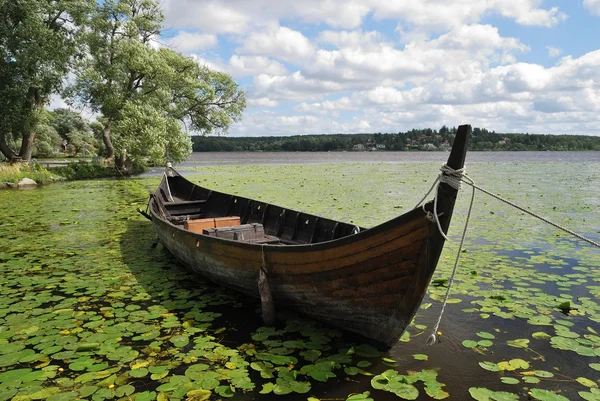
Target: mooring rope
<point>455,178</point>
<point>529,212</point>
<point>448,176</point>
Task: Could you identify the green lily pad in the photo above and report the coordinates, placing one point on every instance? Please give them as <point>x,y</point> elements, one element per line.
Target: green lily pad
<point>492,367</point>
<point>546,395</point>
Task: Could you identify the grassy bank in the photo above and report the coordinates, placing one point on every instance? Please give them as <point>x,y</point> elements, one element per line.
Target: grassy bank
<point>88,171</point>
<point>13,173</point>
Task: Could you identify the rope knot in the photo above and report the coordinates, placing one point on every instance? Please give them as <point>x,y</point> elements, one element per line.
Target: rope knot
<point>452,177</point>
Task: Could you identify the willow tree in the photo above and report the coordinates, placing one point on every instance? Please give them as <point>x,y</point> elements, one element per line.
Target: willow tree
<point>38,40</point>
<point>148,96</point>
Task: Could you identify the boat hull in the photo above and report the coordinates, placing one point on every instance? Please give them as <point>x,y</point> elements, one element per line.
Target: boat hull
<point>370,283</point>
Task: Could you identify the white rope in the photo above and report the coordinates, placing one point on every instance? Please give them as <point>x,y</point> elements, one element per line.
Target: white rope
<point>448,176</point>
<point>469,181</point>
<point>454,179</point>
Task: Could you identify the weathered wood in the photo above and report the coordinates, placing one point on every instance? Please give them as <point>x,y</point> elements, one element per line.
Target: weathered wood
<point>371,283</point>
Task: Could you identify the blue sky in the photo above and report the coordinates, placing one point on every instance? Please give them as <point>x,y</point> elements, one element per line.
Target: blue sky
<point>387,66</point>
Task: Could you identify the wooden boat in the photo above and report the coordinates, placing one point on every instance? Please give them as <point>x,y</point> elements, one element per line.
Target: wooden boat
<point>367,281</point>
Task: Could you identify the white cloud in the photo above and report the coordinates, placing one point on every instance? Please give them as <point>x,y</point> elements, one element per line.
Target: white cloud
<point>280,42</point>
<point>207,16</point>
<point>443,15</point>
<point>315,67</point>
<point>240,66</point>
<point>553,51</point>
<point>235,16</point>
<point>526,12</point>
<point>189,42</point>
<point>295,87</point>
<point>593,6</point>
<point>342,39</point>
<point>261,102</point>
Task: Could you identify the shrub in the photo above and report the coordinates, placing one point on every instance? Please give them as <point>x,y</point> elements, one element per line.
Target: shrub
<point>87,171</point>
<point>16,172</point>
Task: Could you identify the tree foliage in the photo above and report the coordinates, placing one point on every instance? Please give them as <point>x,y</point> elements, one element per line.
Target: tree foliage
<point>38,40</point>
<point>148,95</point>
<point>415,139</point>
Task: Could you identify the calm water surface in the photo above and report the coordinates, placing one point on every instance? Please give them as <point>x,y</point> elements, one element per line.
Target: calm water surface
<point>77,268</point>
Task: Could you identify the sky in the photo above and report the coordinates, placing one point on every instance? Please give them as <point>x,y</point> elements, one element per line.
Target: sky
<point>348,66</point>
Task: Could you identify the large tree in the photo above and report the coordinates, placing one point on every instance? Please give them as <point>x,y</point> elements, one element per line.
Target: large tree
<point>38,40</point>
<point>148,95</point>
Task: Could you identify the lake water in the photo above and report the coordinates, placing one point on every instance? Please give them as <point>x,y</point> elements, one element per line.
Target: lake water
<point>88,309</point>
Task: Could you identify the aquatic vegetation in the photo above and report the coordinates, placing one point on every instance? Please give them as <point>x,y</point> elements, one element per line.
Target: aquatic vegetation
<point>89,310</point>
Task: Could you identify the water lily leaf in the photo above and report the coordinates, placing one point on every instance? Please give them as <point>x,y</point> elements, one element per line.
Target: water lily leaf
<point>519,343</point>
<point>436,392</point>
<point>225,391</point>
<point>503,396</point>
<point>351,370</point>
<point>531,380</point>
<point>486,335</point>
<point>86,391</point>
<point>363,364</point>
<point>540,320</point>
<point>320,375</point>
<point>540,335</point>
<point>267,388</point>
<point>180,341</point>
<point>469,343</point>
<point>11,375</point>
<point>595,366</point>
<point>519,364</point>
<point>420,357</point>
<point>491,366</point>
<point>404,391</point>
<point>198,395</point>
<point>45,393</point>
<point>210,384</point>
<point>137,373</point>
<point>145,396</point>
<point>124,390</point>
<point>311,355</point>
<point>67,396</point>
<point>485,343</point>
<point>389,362</point>
<point>158,376</point>
<point>586,382</point>
<point>509,380</point>
<point>358,397</point>
<point>546,395</point>
<point>87,377</point>
<point>480,393</point>
<point>300,387</point>
<point>589,396</point>
<point>196,372</point>
<point>543,373</point>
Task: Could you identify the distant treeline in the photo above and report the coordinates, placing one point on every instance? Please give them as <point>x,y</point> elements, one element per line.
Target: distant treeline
<point>416,139</point>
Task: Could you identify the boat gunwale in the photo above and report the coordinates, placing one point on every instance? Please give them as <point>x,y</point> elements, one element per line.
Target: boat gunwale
<point>387,225</point>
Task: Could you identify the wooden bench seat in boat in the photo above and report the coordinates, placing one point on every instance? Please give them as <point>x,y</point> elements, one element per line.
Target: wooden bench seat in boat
<point>179,208</point>
<point>199,225</point>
